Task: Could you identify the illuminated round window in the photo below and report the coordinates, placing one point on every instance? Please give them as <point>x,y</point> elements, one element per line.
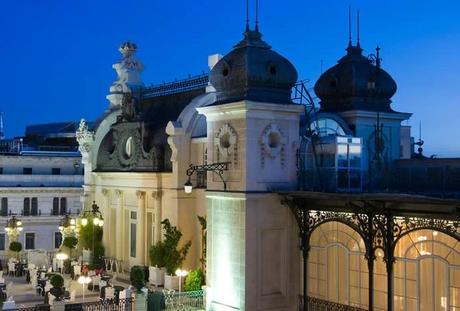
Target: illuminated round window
<point>129,147</point>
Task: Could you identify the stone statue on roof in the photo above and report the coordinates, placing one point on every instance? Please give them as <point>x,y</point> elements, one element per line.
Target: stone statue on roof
<point>129,71</point>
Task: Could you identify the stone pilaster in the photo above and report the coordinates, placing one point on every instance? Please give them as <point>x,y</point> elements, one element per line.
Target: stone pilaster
<point>119,226</point>
<point>141,238</point>
<point>106,235</point>
<point>157,195</point>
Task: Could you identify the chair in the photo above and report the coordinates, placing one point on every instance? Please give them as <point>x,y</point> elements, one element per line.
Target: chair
<point>76,271</point>
<point>51,298</point>
<point>109,293</point>
<point>72,295</point>
<point>95,280</point>
<point>11,268</point>
<point>47,286</point>
<point>126,293</point>
<point>102,283</point>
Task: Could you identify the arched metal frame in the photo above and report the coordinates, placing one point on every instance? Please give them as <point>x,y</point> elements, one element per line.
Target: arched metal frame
<point>379,227</point>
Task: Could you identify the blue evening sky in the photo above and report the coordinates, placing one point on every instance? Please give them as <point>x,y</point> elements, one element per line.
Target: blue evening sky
<point>56,55</point>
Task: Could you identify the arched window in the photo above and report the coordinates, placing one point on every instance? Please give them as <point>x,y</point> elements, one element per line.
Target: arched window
<point>337,268</point>
<point>326,126</point>
<point>427,272</point>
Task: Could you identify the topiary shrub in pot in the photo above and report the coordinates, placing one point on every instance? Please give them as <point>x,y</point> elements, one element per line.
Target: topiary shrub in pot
<point>137,277</point>
<point>157,268</point>
<point>194,280</point>
<point>174,256</point>
<point>58,286</point>
<point>15,247</point>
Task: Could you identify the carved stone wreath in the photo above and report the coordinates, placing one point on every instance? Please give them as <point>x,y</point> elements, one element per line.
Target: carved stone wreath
<point>226,140</point>
<point>272,140</point>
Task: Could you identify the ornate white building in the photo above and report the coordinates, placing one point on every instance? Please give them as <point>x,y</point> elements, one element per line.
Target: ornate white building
<point>284,180</point>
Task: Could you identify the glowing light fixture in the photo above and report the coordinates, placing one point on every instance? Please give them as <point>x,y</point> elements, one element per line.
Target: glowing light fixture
<point>217,168</point>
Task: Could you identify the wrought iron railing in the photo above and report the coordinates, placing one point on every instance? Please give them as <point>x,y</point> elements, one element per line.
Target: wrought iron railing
<point>317,304</point>
<point>102,305</point>
<point>191,83</point>
<point>189,301</point>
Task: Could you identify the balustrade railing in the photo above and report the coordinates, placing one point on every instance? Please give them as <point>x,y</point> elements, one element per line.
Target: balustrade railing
<point>317,304</point>
<point>172,300</point>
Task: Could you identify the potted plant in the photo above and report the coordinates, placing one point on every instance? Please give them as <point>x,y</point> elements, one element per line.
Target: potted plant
<point>137,277</point>
<point>194,280</point>
<point>157,268</point>
<point>173,256</point>
<point>16,247</point>
<point>58,286</point>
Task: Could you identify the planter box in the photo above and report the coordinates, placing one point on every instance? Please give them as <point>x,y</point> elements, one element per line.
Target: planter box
<point>171,282</point>
<point>157,276</point>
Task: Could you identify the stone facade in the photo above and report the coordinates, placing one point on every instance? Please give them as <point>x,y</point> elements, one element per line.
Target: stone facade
<point>39,190</point>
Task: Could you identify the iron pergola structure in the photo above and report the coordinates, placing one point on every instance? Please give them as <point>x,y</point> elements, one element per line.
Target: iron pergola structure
<point>381,220</point>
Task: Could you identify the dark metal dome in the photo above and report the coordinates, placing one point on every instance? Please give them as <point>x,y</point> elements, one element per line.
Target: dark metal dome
<point>253,71</point>
<point>355,83</point>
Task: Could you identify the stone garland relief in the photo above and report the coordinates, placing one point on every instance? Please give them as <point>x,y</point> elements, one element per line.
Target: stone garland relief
<point>272,144</point>
<point>226,142</point>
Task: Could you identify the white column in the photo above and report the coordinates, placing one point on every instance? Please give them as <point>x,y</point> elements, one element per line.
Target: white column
<point>141,238</point>
<point>107,223</point>
<point>157,195</point>
<point>119,226</point>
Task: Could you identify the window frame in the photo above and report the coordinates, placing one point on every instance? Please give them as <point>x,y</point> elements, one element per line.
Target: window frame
<point>34,240</point>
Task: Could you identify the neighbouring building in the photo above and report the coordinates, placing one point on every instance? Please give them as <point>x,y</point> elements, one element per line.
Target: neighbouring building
<point>41,177</point>
<point>306,206</point>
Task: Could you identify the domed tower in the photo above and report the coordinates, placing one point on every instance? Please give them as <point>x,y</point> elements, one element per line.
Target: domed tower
<point>254,127</point>
<point>359,91</point>
<point>356,83</point>
<point>253,71</point>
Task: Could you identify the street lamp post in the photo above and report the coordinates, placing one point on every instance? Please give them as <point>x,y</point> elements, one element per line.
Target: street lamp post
<point>13,228</point>
<point>96,215</point>
<point>180,273</point>
<point>84,280</point>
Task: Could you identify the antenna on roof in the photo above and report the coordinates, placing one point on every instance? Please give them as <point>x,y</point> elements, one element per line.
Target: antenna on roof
<point>247,15</point>
<point>2,133</point>
<point>349,26</point>
<point>257,15</point>
<point>358,45</point>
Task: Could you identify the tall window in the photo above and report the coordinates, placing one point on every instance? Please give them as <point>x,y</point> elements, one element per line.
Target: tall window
<point>30,207</point>
<point>337,267</point>
<point>427,272</point>
<point>55,211</point>
<point>30,240</point>
<point>2,241</point>
<point>34,207</point>
<point>57,239</point>
<point>63,206</point>
<point>26,210</point>
<point>133,239</point>
<point>59,206</point>
<point>4,210</point>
